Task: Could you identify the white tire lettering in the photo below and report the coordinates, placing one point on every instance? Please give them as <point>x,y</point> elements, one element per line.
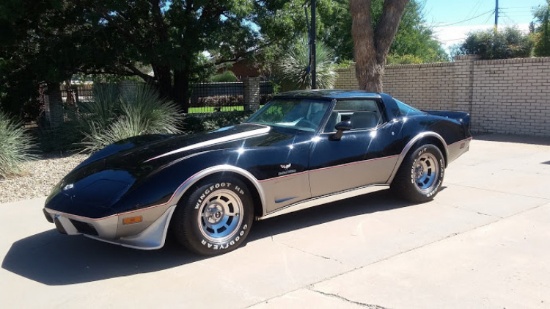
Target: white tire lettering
<point>202,201</point>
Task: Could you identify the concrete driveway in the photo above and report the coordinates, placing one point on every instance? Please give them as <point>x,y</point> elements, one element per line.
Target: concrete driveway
<point>484,242</point>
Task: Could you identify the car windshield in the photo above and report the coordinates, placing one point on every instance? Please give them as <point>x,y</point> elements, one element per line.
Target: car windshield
<point>301,114</point>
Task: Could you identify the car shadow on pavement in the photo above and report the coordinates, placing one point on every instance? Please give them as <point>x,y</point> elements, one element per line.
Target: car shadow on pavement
<point>54,259</point>
<point>365,204</point>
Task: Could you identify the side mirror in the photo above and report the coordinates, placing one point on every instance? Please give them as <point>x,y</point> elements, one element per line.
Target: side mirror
<point>340,128</point>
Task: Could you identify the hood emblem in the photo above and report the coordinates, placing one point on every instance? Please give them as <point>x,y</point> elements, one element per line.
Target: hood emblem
<point>68,187</point>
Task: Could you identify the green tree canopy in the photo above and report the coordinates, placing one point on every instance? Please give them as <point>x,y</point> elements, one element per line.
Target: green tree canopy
<point>541,29</point>
<point>41,41</point>
<point>49,40</point>
<point>334,28</point>
<point>503,44</point>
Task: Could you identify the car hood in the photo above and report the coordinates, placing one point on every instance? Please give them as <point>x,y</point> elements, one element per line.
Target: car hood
<point>103,178</point>
<point>156,149</point>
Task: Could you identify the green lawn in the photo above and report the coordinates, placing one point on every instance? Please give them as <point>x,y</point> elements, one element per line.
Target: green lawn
<point>211,109</point>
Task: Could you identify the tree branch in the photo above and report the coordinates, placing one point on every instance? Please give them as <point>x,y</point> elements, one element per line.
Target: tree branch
<point>241,55</point>
<point>147,78</point>
<point>387,27</point>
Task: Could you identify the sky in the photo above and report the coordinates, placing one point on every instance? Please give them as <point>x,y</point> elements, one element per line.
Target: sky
<point>451,21</point>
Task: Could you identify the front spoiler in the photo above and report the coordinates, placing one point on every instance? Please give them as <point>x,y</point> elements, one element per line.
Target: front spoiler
<point>149,236</point>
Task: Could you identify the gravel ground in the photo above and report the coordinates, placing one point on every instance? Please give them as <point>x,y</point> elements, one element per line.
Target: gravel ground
<point>39,177</point>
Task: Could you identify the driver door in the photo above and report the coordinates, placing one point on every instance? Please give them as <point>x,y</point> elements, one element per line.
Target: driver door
<point>359,158</point>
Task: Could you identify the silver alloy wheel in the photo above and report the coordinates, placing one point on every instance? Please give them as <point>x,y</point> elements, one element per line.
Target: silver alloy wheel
<point>426,171</point>
<point>220,215</point>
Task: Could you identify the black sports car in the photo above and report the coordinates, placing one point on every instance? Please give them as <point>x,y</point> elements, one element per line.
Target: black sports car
<point>208,189</point>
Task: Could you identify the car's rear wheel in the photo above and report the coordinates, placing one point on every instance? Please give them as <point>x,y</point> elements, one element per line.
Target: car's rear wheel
<point>421,174</point>
<point>215,218</point>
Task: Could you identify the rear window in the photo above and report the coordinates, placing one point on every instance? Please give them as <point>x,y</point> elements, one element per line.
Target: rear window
<point>407,110</point>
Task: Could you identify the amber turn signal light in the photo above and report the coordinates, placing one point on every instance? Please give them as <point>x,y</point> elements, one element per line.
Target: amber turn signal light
<point>132,220</point>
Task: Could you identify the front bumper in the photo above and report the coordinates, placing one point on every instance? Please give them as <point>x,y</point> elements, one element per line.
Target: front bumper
<point>148,234</point>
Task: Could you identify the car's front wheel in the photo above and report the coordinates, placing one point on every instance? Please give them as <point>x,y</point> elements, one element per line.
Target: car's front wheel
<point>421,174</point>
<point>215,218</point>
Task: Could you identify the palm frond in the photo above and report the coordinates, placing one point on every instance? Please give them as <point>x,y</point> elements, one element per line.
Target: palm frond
<point>135,113</point>
<point>294,70</point>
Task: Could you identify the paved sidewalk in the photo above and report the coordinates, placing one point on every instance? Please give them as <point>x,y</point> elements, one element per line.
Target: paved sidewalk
<point>484,242</point>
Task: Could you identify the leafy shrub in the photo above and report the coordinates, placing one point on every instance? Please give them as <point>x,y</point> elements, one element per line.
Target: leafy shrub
<point>404,59</point>
<point>15,146</point>
<point>541,30</point>
<point>504,44</point>
<point>65,137</point>
<point>62,138</point>
<point>114,116</point>
<point>225,77</point>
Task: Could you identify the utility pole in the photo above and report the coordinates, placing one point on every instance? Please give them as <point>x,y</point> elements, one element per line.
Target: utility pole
<point>313,47</point>
<point>496,15</point>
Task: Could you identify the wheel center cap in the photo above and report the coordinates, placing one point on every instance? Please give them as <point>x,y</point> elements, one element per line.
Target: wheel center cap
<point>419,171</point>
<point>213,213</point>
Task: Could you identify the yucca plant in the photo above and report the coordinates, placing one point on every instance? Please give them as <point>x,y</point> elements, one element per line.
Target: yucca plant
<point>103,110</point>
<point>15,146</point>
<point>138,112</point>
<point>293,68</point>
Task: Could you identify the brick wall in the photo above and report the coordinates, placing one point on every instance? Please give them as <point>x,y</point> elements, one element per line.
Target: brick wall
<point>509,96</point>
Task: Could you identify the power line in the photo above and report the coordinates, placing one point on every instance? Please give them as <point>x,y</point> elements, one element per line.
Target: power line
<point>490,13</point>
<point>475,8</point>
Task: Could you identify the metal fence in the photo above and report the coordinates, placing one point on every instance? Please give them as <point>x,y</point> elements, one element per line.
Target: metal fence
<point>204,98</point>
<point>210,97</point>
<point>77,93</point>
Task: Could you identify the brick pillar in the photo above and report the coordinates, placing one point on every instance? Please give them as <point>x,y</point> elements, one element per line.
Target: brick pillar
<point>464,82</point>
<point>251,93</point>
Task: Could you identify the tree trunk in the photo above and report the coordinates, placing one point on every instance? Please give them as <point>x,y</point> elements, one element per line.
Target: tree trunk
<point>371,43</point>
<point>164,80</point>
<point>181,89</point>
<point>54,105</point>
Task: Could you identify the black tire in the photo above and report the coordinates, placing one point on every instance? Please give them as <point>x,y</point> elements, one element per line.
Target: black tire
<point>420,175</point>
<point>215,218</point>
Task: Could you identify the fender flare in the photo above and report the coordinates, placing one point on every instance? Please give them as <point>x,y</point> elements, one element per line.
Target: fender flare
<point>189,182</point>
<point>409,146</point>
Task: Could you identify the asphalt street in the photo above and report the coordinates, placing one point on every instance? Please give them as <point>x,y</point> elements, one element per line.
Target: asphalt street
<point>484,242</point>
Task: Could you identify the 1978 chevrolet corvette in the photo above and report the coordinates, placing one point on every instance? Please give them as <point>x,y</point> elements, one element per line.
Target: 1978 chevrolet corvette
<point>303,147</point>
